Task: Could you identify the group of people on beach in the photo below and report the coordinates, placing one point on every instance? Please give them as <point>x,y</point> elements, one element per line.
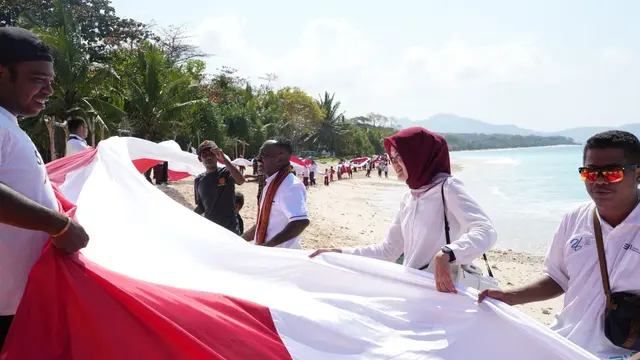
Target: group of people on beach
<point>438,227</point>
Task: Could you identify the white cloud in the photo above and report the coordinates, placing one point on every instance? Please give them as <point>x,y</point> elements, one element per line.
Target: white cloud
<point>332,54</point>
<point>616,57</point>
<point>457,62</point>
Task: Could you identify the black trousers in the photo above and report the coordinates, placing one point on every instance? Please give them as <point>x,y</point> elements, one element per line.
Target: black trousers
<point>5,324</point>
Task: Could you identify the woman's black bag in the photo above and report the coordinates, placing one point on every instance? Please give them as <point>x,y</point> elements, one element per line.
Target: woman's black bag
<point>622,314</point>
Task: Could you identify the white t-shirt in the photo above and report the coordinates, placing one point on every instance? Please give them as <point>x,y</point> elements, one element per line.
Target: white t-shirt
<point>572,262</point>
<point>289,204</point>
<point>314,168</point>
<point>417,229</point>
<point>22,169</point>
<point>75,144</point>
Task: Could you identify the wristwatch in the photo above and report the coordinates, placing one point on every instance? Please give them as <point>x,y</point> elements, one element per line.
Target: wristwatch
<point>447,250</point>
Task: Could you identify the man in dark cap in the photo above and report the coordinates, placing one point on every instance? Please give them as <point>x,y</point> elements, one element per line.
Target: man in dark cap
<point>215,190</point>
<point>28,207</point>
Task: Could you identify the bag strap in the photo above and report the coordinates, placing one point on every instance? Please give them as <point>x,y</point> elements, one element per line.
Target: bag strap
<point>446,229</point>
<point>602,259</point>
<point>446,220</point>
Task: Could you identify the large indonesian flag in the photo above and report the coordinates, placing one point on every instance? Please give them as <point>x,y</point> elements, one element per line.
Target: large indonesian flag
<point>159,282</point>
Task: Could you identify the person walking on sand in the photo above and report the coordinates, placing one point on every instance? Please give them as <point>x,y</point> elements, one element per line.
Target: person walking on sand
<point>282,215</point>
<point>305,176</point>
<point>611,174</point>
<point>28,206</point>
<point>313,172</point>
<point>431,186</point>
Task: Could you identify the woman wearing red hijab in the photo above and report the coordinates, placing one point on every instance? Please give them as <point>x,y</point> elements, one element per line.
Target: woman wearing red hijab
<point>421,159</point>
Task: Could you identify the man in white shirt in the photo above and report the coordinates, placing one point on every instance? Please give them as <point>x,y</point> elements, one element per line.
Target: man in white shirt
<point>313,172</point>
<point>282,214</point>
<point>28,207</point>
<point>611,176</point>
<point>79,132</point>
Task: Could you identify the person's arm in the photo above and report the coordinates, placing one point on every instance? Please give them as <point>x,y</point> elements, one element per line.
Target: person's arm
<point>250,234</point>
<point>199,207</point>
<point>20,211</point>
<point>392,246</point>
<point>294,205</point>
<point>233,170</point>
<point>552,284</point>
<point>479,235</point>
<point>292,230</point>
<point>544,288</point>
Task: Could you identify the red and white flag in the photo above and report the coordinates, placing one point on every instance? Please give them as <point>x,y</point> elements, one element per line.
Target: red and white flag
<point>158,282</point>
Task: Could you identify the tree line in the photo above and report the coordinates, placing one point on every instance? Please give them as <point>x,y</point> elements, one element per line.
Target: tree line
<point>502,141</point>
<point>126,78</point>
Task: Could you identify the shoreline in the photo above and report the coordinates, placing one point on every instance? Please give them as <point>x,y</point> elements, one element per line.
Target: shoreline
<point>358,212</point>
<point>518,148</point>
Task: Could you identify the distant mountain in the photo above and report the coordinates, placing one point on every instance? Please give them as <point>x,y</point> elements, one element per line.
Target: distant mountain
<point>448,123</point>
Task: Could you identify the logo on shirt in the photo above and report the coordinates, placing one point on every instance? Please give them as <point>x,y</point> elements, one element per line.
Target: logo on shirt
<point>222,182</point>
<point>576,244</point>
<point>628,246</point>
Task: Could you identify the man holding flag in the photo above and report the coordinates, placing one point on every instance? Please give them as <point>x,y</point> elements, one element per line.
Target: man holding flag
<point>282,215</point>
<point>28,206</point>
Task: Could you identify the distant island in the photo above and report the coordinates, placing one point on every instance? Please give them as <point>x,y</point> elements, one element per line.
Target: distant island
<point>502,141</point>
<point>449,123</point>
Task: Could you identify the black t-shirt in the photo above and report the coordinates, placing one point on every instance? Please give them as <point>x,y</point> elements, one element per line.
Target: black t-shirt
<point>216,198</point>
<point>240,225</point>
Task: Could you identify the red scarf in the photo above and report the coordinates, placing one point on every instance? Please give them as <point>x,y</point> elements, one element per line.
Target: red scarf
<point>267,202</point>
<point>425,154</point>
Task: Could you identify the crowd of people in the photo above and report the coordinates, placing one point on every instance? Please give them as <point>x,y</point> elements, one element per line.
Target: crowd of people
<point>439,226</point>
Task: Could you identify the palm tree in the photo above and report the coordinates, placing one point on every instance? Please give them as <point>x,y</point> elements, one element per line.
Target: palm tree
<point>333,126</point>
<point>79,83</point>
<point>158,95</point>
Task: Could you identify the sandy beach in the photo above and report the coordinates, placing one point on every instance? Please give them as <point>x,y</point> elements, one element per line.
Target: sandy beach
<point>358,211</point>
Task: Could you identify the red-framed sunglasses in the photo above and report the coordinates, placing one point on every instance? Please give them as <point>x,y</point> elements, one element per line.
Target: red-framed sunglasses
<point>611,174</point>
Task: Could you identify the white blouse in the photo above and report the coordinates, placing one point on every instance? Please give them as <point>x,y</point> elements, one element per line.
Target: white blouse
<point>418,228</point>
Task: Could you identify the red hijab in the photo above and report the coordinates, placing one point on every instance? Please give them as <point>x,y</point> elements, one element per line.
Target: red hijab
<point>424,154</point>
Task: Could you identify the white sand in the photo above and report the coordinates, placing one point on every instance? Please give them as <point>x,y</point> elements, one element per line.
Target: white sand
<point>349,213</point>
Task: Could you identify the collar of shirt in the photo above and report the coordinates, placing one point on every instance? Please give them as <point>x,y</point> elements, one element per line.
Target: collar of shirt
<point>270,178</point>
<point>8,115</point>
<point>76,137</point>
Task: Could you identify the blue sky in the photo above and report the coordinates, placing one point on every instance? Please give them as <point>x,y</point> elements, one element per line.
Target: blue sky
<point>539,64</point>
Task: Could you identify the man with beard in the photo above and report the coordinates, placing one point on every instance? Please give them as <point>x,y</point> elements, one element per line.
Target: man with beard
<point>28,206</point>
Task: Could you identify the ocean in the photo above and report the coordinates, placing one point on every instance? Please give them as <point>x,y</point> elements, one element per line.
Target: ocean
<point>525,191</point>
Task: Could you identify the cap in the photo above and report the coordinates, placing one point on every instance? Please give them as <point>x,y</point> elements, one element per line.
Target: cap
<point>18,45</point>
<point>207,144</point>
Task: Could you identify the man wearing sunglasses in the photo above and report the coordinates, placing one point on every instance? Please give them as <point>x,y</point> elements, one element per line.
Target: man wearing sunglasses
<point>611,176</point>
